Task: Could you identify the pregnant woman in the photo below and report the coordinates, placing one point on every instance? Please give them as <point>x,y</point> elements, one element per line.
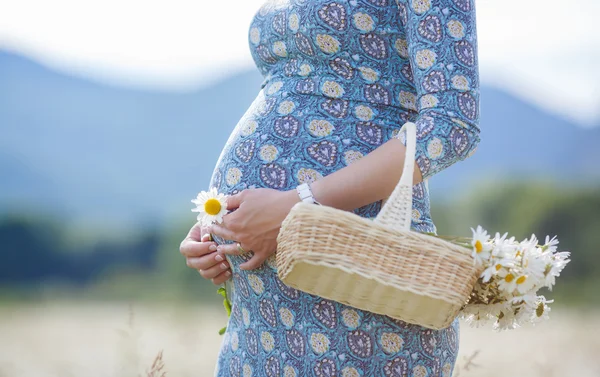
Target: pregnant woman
<point>340,79</point>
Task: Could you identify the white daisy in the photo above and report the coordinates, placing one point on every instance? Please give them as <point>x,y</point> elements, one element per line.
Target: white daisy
<point>553,269</point>
<point>211,206</point>
<point>541,310</point>
<point>481,246</point>
<point>550,244</point>
<point>508,281</point>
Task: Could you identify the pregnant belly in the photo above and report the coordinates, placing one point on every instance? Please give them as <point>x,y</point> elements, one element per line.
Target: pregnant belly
<point>285,139</point>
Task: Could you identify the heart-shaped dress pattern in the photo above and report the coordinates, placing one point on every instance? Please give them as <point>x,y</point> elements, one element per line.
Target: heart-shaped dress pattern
<point>369,132</point>
<point>245,150</point>
<point>334,15</point>
<point>360,343</point>
<point>335,107</point>
<point>279,23</point>
<point>267,311</point>
<point>264,53</point>
<point>286,290</point>
<point>273,175</point>
<point>402,12</point>
<point>303,44</point>
<point>342,67</point>
<point>407,72</point>
<point>451,338</point>
<point>305,86</point>
<point>234,366</point>
<point>251,342</point>
<point>291,67</point>
<point>272,367</point>
<point>464,5</point>
<point>459,140</point>
<point>428,341</point>
<point>425,125</point>
<point>286,126</point>
<point>325,368</point>
<point>376,93</point>
<point>434,82</point>
<point>418,191</point>
<point>379,3</point>
<point>241,285</point>
<point>374,45</point>
<point>397,367</point>
<point>431,28</point>
<point>424,163</point>
<point>325,313</point>
<point>467,105</point>
<point>295,343</point>
<point>325,152</point>
<point>464,52</point>
<point>266,106</point>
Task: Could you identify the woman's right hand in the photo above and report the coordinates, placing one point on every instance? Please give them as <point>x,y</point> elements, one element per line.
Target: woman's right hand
<point>201,254</point>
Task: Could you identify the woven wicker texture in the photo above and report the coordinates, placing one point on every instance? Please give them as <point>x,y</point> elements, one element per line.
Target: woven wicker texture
<point>376,265</point>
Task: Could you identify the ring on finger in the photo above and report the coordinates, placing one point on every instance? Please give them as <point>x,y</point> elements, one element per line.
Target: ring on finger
<point>241,249</point>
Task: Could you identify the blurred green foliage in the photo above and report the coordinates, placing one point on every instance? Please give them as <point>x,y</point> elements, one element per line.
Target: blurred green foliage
<point>40,258</point>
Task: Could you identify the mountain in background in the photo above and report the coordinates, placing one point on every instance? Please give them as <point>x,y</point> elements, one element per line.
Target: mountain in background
<point>90,151</point>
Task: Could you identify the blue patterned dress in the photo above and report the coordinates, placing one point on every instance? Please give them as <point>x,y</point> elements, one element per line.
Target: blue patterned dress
<point>341,78</point>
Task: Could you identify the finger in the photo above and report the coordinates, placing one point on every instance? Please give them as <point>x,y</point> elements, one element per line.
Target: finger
<point>205,262</point>
<point>208,273</point>
<point>195,232</point>
<point>205,234</point>
<point>191,248</point>
<point>222,277</point>
<point>255,262</point>
<point>234,201</point>
<point>231,249</point>
<point>222,232</point>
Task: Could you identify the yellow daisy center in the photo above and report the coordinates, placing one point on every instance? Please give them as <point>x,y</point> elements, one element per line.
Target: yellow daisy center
<point>509,278</point>
<point>521,279</point>
<point>539,311</point>
<point>478,246</point>
<point>212,206</point>
<point>498,267</point>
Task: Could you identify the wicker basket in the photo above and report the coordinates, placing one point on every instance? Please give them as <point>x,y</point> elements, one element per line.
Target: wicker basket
<point>378,265</point>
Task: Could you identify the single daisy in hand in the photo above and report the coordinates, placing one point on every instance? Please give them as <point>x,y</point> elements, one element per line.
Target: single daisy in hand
<point>211,206</point>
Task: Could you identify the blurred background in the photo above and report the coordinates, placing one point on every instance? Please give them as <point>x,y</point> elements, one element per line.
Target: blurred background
<point>113,114</point>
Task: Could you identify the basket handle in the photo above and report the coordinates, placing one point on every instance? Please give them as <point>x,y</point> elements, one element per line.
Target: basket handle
<point>397,209</point>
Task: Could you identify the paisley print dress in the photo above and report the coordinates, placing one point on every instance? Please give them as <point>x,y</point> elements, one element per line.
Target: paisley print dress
<point>340,79</point>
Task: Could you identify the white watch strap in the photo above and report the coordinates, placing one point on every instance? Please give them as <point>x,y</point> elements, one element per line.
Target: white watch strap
<point>305,194</point>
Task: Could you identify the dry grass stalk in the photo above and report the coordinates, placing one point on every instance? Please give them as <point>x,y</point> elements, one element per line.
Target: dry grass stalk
<point>468,363</point>
<point>158,366</point>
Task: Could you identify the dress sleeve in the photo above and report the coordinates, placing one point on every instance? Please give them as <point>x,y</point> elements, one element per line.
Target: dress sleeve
<point>441,39</point>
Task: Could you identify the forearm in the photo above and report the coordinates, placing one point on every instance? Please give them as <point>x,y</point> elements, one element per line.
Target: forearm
<point>365,181</point>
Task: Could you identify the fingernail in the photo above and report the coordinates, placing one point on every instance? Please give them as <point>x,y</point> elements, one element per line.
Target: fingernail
<point>212,248</point>
<point>228,273</point>
<point>224,266</point>
<point>219,258</point>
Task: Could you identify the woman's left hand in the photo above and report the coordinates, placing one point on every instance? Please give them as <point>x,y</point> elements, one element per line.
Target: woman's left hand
<point>255,223</point>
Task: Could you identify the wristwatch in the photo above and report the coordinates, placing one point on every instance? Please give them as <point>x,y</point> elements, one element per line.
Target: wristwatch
<point>305,194</point>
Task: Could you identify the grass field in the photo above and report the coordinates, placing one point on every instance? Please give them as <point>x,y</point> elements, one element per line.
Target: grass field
<point>117,340</point>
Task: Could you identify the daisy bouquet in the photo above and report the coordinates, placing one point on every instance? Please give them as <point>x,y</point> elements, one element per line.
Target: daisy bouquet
<point>506,293</point>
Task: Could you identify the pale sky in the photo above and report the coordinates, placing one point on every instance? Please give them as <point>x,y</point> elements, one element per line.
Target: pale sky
<point>545,51</point>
